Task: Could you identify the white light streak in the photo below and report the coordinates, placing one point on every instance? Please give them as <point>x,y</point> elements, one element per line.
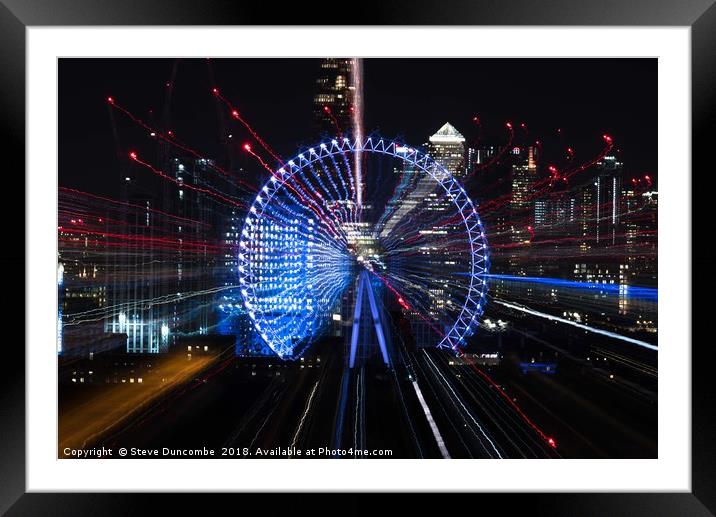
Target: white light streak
<point>467,411</point>
<point>614,335</point>
<point>303,417</point>
<point>431,421</point>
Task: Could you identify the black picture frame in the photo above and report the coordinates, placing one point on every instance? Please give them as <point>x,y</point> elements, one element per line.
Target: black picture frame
<point>699,15</point>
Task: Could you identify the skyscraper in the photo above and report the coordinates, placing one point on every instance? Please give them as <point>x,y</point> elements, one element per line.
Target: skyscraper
<point>447,147</point>
<point>136,276</point>
<point>82,275</point>
<point>524,175</point>
<point>521,208</point>
<point>555,215</point>
<point>607,197</point>
<point>485,154</point>
<point>600,220</point>
<point>338,108</point>
<point>334,98</point>
<point>161,289</point>
<point>640,222</point>
<point>600,205</point>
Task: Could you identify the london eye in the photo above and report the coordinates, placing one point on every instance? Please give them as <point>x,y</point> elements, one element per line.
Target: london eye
<point>359,220</point>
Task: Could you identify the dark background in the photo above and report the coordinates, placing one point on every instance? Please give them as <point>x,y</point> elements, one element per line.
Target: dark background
<point>407,99</point>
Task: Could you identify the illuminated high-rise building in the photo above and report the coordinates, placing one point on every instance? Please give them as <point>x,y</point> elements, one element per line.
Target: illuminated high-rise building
<point>135,277</point>
<point>524,176</point>
<point>60,301</point>
<point>337,113</point>
<point>640,223</point>
<point>521,207</point>
<point>599,213</point>
<point>608,187</point>
<point>555,215</point>
<point>447,147</point>
<point>161,289</point>
<point>600,205</point>
<point>83,265</point>
<point>485,154</point>
<point>334,97</point>
<point>82,280</point>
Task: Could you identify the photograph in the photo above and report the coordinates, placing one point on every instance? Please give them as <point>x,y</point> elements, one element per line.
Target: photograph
<point>357,258</point>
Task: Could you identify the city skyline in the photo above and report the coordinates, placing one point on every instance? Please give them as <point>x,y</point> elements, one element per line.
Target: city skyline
<point>471,250</point>
<point>583,113</point>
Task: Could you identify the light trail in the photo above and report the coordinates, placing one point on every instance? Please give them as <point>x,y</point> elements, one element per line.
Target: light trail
<point>524,416</point>
<point>359,416</point>
<point>133,156</point>
<point>502,150</point>
<point>328,112</point>
<point>132,205</point>
<point>628,291</point>
<point>627,362</point>
<point>303,417</point>
<point>550,317</point>
<point>171,140</point>
<point>85,422</point>
<point>262,162</point>
<point>106,312</point>
<point>431,422</point>
<point>235,114</point>
<point>357,113</point>
<point>485,397</point>
<point>467,411</point>
<point>340,418</point>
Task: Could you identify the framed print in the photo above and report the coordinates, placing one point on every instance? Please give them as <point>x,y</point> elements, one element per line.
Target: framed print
<point>437,249</point>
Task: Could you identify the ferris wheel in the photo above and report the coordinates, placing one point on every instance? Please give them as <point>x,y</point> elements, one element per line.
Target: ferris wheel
<point>416,235</point>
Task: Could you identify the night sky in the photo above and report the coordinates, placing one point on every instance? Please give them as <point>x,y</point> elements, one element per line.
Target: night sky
<point>408,99</point>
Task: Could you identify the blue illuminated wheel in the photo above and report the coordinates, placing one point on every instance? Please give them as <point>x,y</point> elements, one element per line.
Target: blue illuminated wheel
<point>305,240</point>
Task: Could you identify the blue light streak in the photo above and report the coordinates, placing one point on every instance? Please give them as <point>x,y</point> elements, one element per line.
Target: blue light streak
<point>623,290</point>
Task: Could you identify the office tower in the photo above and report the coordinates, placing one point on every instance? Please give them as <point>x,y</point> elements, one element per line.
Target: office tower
<point>82,276</point>
<point>447,147</point>
<point>60,301</point>
<point>523,173</point>
<point>640,223</point>
<point>524,177</point>
<point>160,284</point>
<point>600,205</point>
<point>333,102</point>
<point>428,202</point>
<point>337,111</point>
<point>607,199</point>
<point>555,215</point>
<point>136,272</point>
<point>485,154</point>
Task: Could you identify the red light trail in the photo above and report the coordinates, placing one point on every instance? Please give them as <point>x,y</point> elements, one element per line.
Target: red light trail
<point>161,174</point>
<point>550,441</point>
<point>502,150</point>
<point>133,205</point>
<point>328,112</point>
<point>175,143</point>
<point>236,115</point>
